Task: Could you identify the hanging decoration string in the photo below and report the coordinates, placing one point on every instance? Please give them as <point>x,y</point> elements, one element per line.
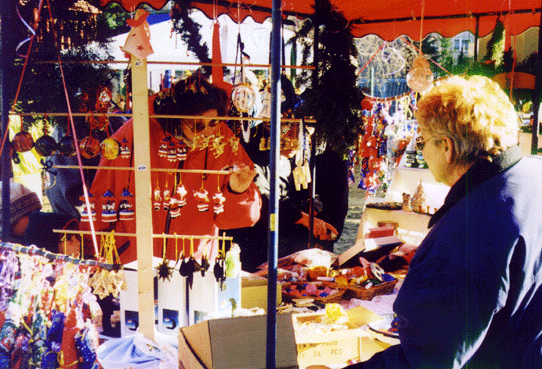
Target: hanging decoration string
<point>71,122</point>
<point>34,250</point>
<point>419,50</point>
<point>26,57</point>
<point>371,59</point>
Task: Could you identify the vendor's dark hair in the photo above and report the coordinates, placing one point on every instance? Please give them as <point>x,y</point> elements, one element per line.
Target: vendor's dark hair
<point>191,96</point>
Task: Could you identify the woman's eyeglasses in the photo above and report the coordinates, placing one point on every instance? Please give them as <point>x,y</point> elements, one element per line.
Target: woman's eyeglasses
<point>420,142</point>
<point>198,125</point>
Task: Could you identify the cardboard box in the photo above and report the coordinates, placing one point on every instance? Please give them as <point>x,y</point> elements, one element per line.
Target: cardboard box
<point>369,248</point>
<point>172,297</point>
<point>254,292</point>
<point>236,343</point>
<point>336,347</point>
<point>384,231</point>
<point>129,298</point>
<point>208,296</point>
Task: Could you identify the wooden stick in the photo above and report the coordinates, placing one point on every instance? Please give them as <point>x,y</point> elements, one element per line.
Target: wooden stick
<point>187,237</point>
<point>207,171</point>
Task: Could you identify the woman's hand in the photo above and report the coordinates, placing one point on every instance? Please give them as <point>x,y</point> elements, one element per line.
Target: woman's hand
<point>241,177</point>
<point>321,230</point>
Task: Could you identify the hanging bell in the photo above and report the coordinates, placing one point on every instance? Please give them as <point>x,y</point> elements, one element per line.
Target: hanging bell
<point>45,145</point>
<point>125,151</point>
<point>127,206</point>
<point>22,142</point>
<point>66,146</point>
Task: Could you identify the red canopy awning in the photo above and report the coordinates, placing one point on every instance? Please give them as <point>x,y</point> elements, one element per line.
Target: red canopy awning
<point>387,19</point>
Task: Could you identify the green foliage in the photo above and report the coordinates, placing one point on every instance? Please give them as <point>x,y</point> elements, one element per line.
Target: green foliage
<point>333,98</point>
<point>42,89</point>
<point>112,21</point>
<point>189,31</point>
<point>495,46</point>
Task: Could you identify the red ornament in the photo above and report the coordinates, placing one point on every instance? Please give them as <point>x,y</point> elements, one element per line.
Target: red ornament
<point>23,142</point>
<point>110,148</point>
<point>90,147</point>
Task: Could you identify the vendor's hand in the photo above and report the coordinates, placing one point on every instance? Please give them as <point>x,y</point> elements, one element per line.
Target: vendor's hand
<point>241,177</point>
<point>321,229</point>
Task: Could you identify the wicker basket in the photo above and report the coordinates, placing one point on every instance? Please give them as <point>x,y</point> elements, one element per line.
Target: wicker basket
<point>335,297</point>
<point>362,293</point>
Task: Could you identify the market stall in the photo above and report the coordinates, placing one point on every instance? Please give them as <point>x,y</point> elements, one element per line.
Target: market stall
<point>364,25</point>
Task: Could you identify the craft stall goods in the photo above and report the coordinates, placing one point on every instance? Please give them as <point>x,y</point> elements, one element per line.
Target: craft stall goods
<point>388,127</point>
<point>49,314</point>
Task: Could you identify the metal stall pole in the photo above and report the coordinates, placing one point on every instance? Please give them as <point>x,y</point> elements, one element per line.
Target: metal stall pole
<point>7,47</point>
<point>273,234</point>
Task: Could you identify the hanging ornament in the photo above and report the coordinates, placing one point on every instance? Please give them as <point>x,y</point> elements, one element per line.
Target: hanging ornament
<point>183,268</point>
<point>126,206</point>
<point>218,199</point>
<point>243,97</point>
<point>22,142</point>
<point>157,197</point>
<point>163,148</point>
<point>219,268</point>
<point>138,40</point>
<point>217,144</point>
<point>167,197</point>
<point>420,77</point>
<point>234,143</point>
<point>265,112</point>
<point>164,270</point>
<point>89,147</point>
<point>245,128</point>
<point>85,211</point>
<point>172,152</point>
<point>202,196</point>
<point>191,264</point>
<point>125,151</point>
<point>110,148</point>
<point>45,145</point>
<point>181,195</point>
<point>182,151</point>
<point>203,199</point>
<point>233,261</point>
<point>109,213</point>
<point>66,146</point>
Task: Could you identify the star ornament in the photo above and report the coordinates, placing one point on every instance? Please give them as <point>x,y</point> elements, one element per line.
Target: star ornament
<point>164,270</point>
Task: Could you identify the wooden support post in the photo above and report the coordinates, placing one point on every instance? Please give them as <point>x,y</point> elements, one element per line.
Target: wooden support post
<point>142,175</point>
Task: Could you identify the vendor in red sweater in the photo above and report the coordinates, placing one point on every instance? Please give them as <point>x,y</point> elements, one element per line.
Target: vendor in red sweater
<point>186,203</point>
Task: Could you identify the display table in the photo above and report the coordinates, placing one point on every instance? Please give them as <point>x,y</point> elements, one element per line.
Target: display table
<point>412,227</point>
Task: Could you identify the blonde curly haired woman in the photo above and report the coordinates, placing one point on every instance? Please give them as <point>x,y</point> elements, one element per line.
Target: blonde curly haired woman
<point>473,294</point>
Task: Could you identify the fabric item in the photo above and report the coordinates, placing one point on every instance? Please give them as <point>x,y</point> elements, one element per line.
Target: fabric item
<point>473,293</point>
<point>138,352</point>
<point>240,210</point>
<point>22,201</point>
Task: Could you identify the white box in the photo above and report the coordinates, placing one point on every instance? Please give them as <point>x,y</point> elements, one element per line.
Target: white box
<point>172,312</point>
<point>206,296</point>
<point>129,299</point>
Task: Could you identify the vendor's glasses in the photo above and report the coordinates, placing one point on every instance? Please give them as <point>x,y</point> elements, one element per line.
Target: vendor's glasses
<point>198,125</point>
<point>420,142</point>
